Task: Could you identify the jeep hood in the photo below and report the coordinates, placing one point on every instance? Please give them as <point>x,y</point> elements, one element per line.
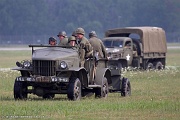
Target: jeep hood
<point>54,53</point>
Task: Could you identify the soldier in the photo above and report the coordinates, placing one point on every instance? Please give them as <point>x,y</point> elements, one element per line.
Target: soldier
<point>85,47</point>
<point>97,45</point>
<point>52,41</point>
<point>63,38</point>
<point>72,42</point>
<point>74,34</point>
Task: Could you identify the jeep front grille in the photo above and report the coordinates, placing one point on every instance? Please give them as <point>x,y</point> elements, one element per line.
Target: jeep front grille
<point>44,67</point>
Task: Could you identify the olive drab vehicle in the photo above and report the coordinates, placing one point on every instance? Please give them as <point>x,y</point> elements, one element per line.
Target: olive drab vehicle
<point>137,47</point>
<point>55,70</point>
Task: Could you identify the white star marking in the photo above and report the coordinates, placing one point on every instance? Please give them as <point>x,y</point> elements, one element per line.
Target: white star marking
<point>128,57</point>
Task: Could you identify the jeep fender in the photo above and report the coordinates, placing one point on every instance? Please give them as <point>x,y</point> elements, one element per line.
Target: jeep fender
<point>81,74</point>
<point>101,73</point>
<point>21,69</point>
<point>76,69</point>
<point>24,72</point>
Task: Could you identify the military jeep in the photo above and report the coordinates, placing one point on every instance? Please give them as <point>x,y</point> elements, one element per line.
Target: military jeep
<point>55,70</point>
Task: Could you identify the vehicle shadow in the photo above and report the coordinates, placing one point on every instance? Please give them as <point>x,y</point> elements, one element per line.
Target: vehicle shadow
<point>57,97</point>
<point>34,98</point>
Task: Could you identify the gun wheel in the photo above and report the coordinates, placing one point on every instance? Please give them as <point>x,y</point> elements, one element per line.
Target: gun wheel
<point>126,87</point>
<point>103,91</point>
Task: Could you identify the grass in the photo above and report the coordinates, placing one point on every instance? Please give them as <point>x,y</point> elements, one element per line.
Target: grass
<point>173,57</point>
<point>9,58</point>
<point>155,96</point>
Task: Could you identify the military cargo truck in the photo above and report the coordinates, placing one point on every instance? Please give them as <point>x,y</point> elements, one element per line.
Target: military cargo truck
<point>139,47</point>
<point>55,70</point>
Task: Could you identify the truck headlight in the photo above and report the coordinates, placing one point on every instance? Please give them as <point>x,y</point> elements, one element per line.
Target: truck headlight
<point>63,65</point>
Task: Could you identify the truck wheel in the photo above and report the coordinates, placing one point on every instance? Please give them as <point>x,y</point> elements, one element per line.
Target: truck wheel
<point>126,87</point>
<point>103,91</point>
<point>48,96</point>
<point>20,90</point>
<point>158,65</point>
<point>149,66</point>
<point>74,89</point>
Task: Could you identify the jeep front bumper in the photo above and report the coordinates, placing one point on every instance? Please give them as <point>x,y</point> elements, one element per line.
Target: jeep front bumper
<point>43,79</point>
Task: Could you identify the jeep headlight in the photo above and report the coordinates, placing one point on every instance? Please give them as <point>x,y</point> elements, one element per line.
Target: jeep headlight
<point>63,65</point>
<point>26,64</point>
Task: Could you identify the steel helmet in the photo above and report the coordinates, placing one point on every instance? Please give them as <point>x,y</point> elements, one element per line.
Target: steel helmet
<point>63,33</point>
<point>74,34</point>
<point>52,39</point>
<point>92,34</point>
<point>80,31</point>
<point>71,38</point>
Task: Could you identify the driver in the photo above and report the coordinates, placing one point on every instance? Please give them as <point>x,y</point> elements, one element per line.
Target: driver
<point>52,41</point>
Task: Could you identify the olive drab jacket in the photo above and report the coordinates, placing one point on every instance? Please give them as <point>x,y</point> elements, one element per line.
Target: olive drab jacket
<point>85,50</point>
<point>84,44</point>
<point>64,42</point>
<point>98,46</point>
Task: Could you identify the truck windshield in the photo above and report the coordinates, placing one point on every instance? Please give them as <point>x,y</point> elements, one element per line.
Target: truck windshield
<point>118,44</point>
<point>107,43</point>
<point>113,43</point>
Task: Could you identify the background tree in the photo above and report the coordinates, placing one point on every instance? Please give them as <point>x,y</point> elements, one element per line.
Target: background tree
<point>48,17</point>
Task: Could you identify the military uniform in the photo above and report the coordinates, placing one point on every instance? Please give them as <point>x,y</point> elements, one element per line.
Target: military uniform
<point>97,45</point>
<point>85,50</point>
<point>63,42</point>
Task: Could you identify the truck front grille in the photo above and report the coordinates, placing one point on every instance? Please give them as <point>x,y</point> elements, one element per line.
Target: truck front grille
<point>44,67</point>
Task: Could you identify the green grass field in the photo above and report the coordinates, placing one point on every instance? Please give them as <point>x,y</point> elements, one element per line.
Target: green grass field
<point>155,96</point>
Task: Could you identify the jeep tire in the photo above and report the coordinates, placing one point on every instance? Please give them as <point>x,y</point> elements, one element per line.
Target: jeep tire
<point>20,90</point>
<point>74,89</point>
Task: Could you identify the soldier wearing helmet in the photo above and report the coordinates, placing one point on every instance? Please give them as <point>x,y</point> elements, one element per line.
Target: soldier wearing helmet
<point>52,41</point>
<point>74,34</point>
<point>63,38</point>
<point>85,47</point>
<point>72,42</point>
<point>97,45</point>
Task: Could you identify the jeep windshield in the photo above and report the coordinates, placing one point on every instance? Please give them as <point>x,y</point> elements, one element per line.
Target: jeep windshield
<point>113,43</point>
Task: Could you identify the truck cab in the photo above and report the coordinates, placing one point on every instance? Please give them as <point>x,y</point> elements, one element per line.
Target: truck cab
<point>121,49</point>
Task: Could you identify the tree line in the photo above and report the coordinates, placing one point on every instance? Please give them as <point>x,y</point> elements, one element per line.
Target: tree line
<point>40,17</point>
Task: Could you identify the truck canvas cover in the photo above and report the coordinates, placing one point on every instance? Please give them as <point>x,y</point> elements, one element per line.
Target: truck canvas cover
<point>152,38</point>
